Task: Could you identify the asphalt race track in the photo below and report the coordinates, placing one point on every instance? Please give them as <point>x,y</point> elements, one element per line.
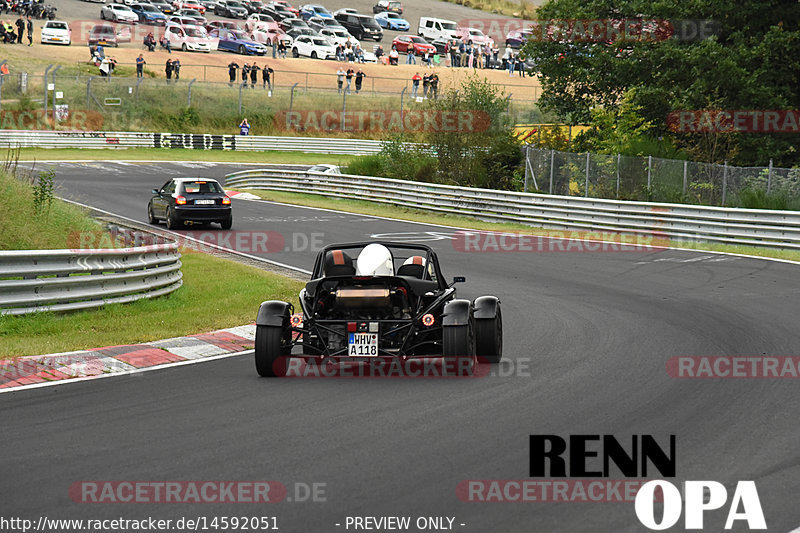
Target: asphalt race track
<point>587,338</point>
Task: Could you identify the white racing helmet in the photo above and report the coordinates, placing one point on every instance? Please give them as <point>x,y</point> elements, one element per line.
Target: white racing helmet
<point>375,260</point>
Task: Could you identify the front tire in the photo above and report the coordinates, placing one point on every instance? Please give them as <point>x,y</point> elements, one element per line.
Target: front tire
<point>295,52</point>
<point>184,48</point>
<point>241,49</point>
<point>489,338</point>
<point>313,55</point>
<point>271,351</point>
<point>458,348</point>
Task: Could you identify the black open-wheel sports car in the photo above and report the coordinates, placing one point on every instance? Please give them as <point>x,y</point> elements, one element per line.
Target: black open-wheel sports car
<point>375,300</point>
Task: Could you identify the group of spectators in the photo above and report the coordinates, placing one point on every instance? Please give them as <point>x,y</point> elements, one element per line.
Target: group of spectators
<point>472,56</point>
<point>430,85</point>
<point>11,36</point>
<point>249,74</point>
<point>106,64</point>
<point>348,75</point>
<point>352,53</point>
<point>173,68</point>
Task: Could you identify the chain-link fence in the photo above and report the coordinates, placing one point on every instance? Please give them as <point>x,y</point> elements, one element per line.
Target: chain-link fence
<point>654,179</point>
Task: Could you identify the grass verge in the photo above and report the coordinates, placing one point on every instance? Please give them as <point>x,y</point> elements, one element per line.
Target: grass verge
<point>216,294</point>
<point>402,213</point>
<point>180,154</point>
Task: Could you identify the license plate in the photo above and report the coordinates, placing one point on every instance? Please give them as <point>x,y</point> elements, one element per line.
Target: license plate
<point>55,38</point>
<point>362,345</point>
<point>204,202</point>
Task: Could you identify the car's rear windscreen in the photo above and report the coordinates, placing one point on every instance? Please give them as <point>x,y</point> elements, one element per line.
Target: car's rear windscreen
<point>201,187</point>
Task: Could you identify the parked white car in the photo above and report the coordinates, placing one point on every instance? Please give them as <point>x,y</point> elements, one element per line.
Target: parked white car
<point>337,37</point>
<point>56,32</point>
<point>267,32</point>
<point>434,28</point>
<point>474,36</point>
<point>189,38</point>
<point>313,47</point>
<point>256,18</point>
<point>118,13</point>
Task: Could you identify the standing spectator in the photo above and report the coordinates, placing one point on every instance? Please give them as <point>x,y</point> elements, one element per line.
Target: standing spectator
<point>233,66</point>
<point>244,127</point>
<point>434,86</point>
<point>140,63</point>
<point>509,57</point>
<point>495,53</point>
<point>349,78</point>
<point>30,31</point>
<point>254,75</point>
<point>462,54</point>
<point>520,65</point>
<point>176,68</point>
<point>487,54</point>
<point>340,78</point>
<point>20,29</point>
<point>265,78</point>
<point>415,84</point>
<point>428,59</point>
<point>359,79</point>
<point>245,73</point>
<point>168,69</point>
<point>426,84</point>
<point>410,59</point>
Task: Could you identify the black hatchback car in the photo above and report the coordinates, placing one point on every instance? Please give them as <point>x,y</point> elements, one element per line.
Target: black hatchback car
<point>190,200</point>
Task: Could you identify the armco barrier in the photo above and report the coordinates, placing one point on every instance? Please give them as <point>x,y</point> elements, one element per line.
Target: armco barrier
<point>64,280</point>
<point>778,229</point>
<point>195,141</point>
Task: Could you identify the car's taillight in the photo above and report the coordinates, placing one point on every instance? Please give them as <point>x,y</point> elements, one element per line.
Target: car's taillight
<point>226,200</point>
<point>180,200</point>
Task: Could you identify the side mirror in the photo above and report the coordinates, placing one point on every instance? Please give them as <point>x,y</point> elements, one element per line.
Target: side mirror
<point>459,279</point>
<point>155,191</point>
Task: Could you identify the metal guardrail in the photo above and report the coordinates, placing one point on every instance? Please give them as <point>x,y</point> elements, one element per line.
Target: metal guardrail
<point>195,141</point>
<point>66,280</point>
<point>777,229</point>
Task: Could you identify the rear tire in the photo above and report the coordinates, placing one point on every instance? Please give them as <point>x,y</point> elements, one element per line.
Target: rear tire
<point>171,222</point>
<point>489,339</point>
<point>458,348</point>
<point>184,48</point>
<point>227,223</point>
<point>150,217</point>
<point>241,49</point>
<point>271,351</point>
<point>313,55</point>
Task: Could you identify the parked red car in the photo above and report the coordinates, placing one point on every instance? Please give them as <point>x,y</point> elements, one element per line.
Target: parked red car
<point>420,45</point>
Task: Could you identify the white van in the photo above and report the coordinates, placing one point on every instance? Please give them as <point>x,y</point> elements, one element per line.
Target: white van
<point>432,28</point>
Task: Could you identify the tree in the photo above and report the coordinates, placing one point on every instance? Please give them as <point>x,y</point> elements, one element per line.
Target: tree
<point>751,60</point>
